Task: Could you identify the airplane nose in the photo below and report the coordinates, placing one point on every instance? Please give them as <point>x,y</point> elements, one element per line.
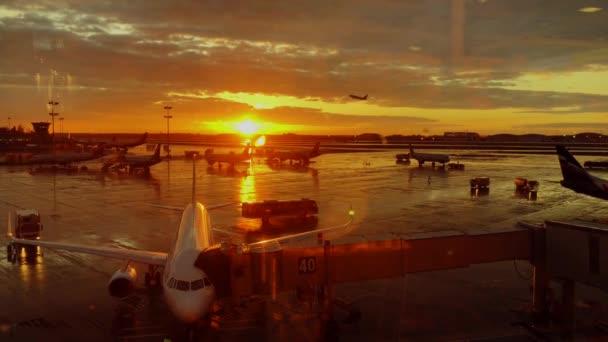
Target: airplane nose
<point>189,308</point>
<point>187,316</point>
<point>190,313</point>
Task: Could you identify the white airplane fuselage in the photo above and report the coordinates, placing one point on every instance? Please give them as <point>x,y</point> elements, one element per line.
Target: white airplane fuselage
<point>193,236</point>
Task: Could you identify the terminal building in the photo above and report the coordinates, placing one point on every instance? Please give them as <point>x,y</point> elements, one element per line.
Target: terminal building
<point>461,136</point>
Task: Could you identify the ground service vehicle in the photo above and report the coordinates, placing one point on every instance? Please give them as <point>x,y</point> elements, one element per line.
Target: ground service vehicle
<point>23,224</point>
<point>266,209</point>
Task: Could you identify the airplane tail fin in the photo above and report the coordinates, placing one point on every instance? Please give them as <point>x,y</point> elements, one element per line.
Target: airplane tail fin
<point>571,168</point>
<point>99,149</point>
<point>157,151</point>
<point>143,138</point>
<point>365,97</point>
<point>315,150</point>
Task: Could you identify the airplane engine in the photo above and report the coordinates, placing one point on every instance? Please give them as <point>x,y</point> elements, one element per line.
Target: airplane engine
<point>122,282</point>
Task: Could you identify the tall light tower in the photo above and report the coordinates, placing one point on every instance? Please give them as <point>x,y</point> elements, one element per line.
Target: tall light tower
<point>9,123</point>
<point>168,108</point>
<point>53,115</point>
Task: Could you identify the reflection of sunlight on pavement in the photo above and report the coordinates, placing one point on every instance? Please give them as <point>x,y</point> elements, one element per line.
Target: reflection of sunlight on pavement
<point>247,190</point>
<point>30,268</point>
<point>247,193</point>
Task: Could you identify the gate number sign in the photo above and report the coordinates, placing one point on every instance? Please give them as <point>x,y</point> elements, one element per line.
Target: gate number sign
<point>307,265</point>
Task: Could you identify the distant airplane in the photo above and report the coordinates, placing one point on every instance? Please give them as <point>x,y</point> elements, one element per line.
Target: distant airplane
<point>431,157</point>
<point>228,158</point>
<point>357,97</point>
<point>117,145</point>
<point>134,163</point>
<point>303,156</point>
<point>58,158</point>
<point>578,179</point>
<point>192,276</point>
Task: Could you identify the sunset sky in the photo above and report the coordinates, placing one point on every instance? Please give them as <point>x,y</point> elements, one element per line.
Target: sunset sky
<point>487,66</point>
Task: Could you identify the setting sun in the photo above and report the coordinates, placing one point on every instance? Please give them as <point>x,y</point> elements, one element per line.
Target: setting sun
<point>247,127</point>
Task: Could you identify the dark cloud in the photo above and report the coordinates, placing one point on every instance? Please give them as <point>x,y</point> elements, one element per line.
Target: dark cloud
<point>403,53</point>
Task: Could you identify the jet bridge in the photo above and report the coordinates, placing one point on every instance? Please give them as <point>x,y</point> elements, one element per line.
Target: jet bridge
<point>562,251</point>
<point>327,264</point>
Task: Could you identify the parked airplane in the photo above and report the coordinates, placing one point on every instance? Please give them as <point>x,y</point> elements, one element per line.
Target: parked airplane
<point>118,145</point>
<point>578,179</point>
<point>431,157</point>
<point>303,156</point>
<point>58,158</point>
<point>228,158</point>
<point>187,284</point>
<point>134,163</point>
<point>356,97</point>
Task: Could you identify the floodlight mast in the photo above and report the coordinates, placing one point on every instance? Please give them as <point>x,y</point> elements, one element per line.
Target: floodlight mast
<point>168,108</point>
<point>53,114</point>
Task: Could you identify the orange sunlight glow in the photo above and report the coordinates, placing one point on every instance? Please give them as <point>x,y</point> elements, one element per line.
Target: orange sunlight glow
<point>260,141</point>
<point>247,127</point>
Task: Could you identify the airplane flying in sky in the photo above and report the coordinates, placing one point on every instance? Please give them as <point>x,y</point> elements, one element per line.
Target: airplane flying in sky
<point>301,156</point>
<point>430,157</point>
<point>188,289</point>
<point>357,97</point>
<point>576,178</point>
<point>134,163</point>
<point>57,158</point>
<point>228,158</point>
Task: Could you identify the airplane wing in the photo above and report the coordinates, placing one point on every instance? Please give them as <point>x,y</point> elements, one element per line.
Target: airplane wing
<point>284,241</point>
<point>218,206</point>
<point>180,209</point>
<point>168,207</point>
<point>145,257</point>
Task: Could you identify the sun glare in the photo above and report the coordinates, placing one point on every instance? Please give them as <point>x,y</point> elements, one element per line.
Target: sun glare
<point>247,127</point>
<point>260,141</point>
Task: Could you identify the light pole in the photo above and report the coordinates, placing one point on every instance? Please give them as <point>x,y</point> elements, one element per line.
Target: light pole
<point>53,115</point>
<point>9,123</point>
<point>168,108</point>
<point>61,126</point>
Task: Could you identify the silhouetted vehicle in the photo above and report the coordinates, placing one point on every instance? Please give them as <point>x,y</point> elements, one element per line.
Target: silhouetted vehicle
<point>24,224</point>
<point>266,209</point>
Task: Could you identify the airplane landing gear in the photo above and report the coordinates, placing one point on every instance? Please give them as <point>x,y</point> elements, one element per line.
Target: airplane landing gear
<point>11,253</point>
<point>152,278</point>
<point>331,330</point>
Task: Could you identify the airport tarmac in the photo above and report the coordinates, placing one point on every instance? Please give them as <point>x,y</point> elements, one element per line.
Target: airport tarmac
<point>62,296</point>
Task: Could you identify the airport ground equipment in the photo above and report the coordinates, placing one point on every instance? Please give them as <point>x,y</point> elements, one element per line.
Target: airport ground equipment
<point>526,188</point>
<point>456,166</point>
<point>603,164</point>
<point>27,224</point>
<point>266,209</point>
<point>403,158</point>
<point>191,154</point>
<point>480,183</point>
<point>22,224</point>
